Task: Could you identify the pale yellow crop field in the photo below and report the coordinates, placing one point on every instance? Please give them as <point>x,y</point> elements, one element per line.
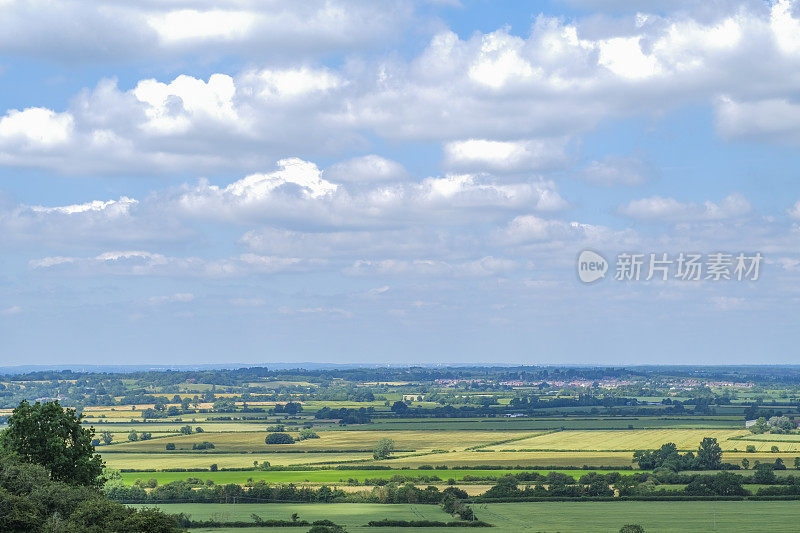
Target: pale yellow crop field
<point>329,440</point>
<point>764,443</point>
<point>158,461</point>
<point>525,459</point>
<point>639,439</point>
<point>174,427</point>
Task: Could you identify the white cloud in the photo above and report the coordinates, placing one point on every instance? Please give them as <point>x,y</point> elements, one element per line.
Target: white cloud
<point>13,310</point>
<point>298,192</point>
<point>486,266</point>
<point>143,263</point>
<point>530,229</point>
<point>366,169</point>
<point>773,119</point>
<point>178,297</point>
<point>294,83</point>
<point>175,107</point>
<point>35,126</point>
<point>669,209</point>
<point>92,223</point>
<point>112,207</point>
<point>505,156</point>
<point>794,211</point>
<point>82,30</point>
<point>303,174</point>
<point>495,101</point>
<point>192,25</point>
<point>615,170</point>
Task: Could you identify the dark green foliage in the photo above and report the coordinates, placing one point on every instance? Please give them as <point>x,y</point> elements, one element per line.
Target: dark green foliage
<point>278,438</point>
<point>722,484</point>
<point>709,455</point>
<point>631,528</point>
<point>31,502</point>
<point>291,408</point>
<point>51,436</point>
<point>764,474</point>
<point>383,449</point>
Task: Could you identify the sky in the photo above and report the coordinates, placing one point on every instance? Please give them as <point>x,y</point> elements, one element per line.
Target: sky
<point>399,181</point>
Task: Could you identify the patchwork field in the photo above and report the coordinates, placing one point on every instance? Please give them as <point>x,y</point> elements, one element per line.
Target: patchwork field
<point>499,458</point>
<point>350,441</point>
<point>628,440</point>
<point>327,476</point>
<point>564,517</point>
<point>157,461</point>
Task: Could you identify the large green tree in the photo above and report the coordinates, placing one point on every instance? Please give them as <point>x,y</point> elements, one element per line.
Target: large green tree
<point>51,436</point>
<point>709,454</point>
<point>383,449</point>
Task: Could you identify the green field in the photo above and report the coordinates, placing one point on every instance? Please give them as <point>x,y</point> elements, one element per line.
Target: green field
<point>551,423</point>
<point>564,517</point>
<point>328,476</point>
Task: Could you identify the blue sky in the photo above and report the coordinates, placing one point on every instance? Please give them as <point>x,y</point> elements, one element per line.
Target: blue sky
<point>398,181</point>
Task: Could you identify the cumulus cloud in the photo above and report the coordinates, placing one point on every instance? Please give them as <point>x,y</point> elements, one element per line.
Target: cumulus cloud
<point>773,119</point>
<point>188,123</point>
<point>298,192</point>
<point>92,223</point>
<point>505,156</point>
<point>531,229</point>
<point>81,30</point>
<point>366,169</point>
<point>110,207</point>
<point>669,209</point>
<point>35,126</point>
<point>496,101</point>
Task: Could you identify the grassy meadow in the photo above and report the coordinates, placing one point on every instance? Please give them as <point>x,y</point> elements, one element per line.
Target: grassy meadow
<point>544,517</point>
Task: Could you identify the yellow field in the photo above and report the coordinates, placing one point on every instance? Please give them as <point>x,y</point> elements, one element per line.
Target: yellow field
<point>329,440</point>
<point>640,439</point>
<point>158,461</point>
<point>174,427</point>
<point>525,459</point>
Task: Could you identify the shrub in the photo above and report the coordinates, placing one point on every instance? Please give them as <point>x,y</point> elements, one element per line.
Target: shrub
<point>383,449</point>
<point>205,445</point>
<point>278,438</point>
<point>308,434</point>
<point>170,446</point>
